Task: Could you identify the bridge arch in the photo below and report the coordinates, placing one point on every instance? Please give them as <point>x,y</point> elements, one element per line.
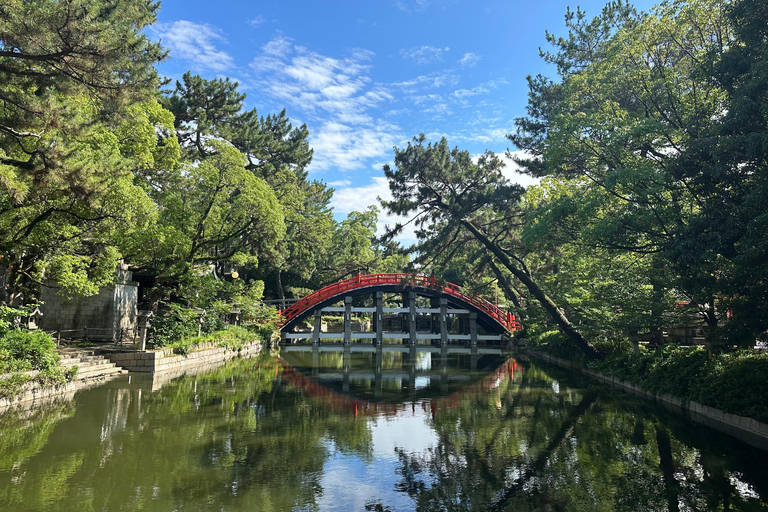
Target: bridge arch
<point>491,317</point>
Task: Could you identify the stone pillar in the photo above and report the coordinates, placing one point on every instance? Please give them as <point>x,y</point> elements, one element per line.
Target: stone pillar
<point>473,329</point>
<point>317,327</point>
<point>144,317</point>
<point>378,318</point>
<point>444,322</point>
<point>412,317</point>
<point>347,320</point>
<point>634,338</point>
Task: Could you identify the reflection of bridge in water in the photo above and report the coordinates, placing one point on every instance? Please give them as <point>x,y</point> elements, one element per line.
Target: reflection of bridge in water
<point>426,311</point>
<point>423,369</point>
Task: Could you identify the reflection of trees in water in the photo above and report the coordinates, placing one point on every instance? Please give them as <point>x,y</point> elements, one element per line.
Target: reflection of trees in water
<point>235,439</point>
<point>239,438</point>
<point>24,431</point>
<point>542,450</point>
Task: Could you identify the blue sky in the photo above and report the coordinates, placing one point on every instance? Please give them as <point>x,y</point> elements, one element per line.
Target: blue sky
<point>369,75</point>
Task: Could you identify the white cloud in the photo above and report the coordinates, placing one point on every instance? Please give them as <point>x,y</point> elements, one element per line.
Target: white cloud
<point>257,21</point>
<point>511,169</point>
<point>340,146</point>
<point>424,54</point>
<point>339,183</point>
<point>350,199</point>
<point>412,5</point>
<point>469,60</point>
<point>358,199</point>
<point>194,42</point>
<point>485,88</point>
<point>338,97</point>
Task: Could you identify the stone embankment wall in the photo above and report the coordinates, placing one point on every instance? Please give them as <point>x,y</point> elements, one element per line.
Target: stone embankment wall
<point>33,394</point>
<point>164,362</point>
<point>747,429</point>
<point>164,359</point>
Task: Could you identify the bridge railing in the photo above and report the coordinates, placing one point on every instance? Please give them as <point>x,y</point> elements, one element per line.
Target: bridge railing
<point>419,281</point>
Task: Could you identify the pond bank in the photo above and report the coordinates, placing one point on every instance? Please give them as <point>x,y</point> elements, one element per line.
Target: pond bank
<point>749,430</point>
<point>162,362</point>
<point>164,359</point>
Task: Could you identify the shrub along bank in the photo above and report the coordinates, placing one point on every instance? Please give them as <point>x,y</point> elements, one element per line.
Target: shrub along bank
<point>734,382</point>
<point>233,339</point>
<point>23,352</point>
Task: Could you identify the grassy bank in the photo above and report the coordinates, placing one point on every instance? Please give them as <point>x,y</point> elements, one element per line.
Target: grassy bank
<point>233,338</point>
<point>29,356</point>
<point>735,382</point>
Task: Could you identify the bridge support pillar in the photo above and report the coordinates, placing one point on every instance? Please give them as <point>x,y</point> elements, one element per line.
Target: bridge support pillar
<point>473,329</point>
<point>412,318</point>
<point>317,327</point>
<point>444,322</point>
<point>347,320</point>
<point>378,322</point>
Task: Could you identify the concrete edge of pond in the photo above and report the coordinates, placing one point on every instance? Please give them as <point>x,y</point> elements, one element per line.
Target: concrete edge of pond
<point>749,430</point>
<point>162,362</point>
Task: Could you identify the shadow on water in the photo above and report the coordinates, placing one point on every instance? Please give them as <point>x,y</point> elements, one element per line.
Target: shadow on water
<point>396,430</point>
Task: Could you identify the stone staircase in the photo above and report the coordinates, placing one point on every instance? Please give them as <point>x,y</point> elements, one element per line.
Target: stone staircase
<point>90,364</point>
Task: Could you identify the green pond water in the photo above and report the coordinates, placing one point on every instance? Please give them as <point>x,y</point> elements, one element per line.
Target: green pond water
<point>366,431</point>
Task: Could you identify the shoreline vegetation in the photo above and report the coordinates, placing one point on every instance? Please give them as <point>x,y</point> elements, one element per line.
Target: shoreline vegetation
<point>734,382</point>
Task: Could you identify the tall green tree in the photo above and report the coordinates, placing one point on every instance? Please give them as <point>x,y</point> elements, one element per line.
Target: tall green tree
<point>73,72</point>
<point>642,119</point>
<point>275,152</point>
<point>449,195</point>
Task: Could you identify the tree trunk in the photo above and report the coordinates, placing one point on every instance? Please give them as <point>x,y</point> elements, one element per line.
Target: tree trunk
<point>551,308</point>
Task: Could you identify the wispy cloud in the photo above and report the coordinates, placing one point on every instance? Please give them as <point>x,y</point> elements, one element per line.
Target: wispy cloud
<point>433,80</point>
<point>339,183</point>
<point>257,21</point>
<point>424,54</point>
<point>485,88</point>
<point>469,60</point>
<point>412,5</point>
<point>344,147</point>
<point>196,43</point>
<point>338,97</point>
<point>420,5</point>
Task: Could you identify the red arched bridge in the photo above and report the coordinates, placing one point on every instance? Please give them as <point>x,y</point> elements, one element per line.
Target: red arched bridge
<point>452,315</point>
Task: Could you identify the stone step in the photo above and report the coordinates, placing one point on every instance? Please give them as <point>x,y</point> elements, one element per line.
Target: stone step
<point>83,361</point>
<point>98,371</point>
<point>65,354</point>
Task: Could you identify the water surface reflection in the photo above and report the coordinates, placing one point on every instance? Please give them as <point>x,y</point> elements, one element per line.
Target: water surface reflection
<point>368,431</point>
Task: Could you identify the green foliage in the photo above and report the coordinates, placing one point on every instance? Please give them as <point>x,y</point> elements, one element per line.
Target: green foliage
<point>653,137</point>
<point>9,316</point>
<point>35,349</point>
<point>176,324</point>
<point>75,74</point>
<point>233,338</point>
<point>734,382</point>
<point>22,351</point>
